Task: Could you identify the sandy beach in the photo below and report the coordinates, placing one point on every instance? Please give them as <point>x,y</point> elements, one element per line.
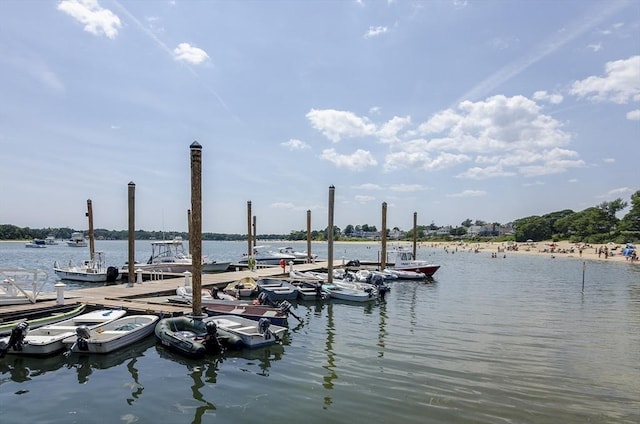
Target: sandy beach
<point>581,251</point>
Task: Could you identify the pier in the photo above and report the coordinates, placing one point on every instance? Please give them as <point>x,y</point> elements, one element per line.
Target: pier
<point>150,296</point>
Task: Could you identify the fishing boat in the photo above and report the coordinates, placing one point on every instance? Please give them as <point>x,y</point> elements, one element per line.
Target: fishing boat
<point>171,256</point>
<point>48,339</point>
<point>77,240</point>
<point>192,337</point>
<point>277,289</point>
<point>112,336</point>
<point>253,333</point>
<point>36,243</point>
<point>91,271</point>
<point>39,317</point>
<point>404,261</point>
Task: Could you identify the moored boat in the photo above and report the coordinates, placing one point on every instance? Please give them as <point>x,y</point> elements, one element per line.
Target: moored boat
<point>40,317</point>
<point>245,287</point>
<point>253,333</point>
<point>277,289</point>
<point>47,339</point>
<point>276,315</point>
<point>171,256</point>
<point>192,337</point>
<point>91,271</point>
<point>404,261</point>
<point>37,243</point>
<point>77,240</point>
<point>112,336</point>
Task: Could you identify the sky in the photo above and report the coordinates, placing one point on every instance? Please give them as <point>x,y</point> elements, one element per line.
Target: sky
<point>452,110</point>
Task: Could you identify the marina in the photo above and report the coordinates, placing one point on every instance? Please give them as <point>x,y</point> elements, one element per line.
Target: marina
<point>484,340</point>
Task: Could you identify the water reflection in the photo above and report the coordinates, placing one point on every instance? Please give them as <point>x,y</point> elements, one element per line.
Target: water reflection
<point>331,357</point>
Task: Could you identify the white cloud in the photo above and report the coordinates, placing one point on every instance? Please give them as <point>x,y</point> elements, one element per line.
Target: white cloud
<point>617,192</point>
<point>187,53</point>
<point>294,144</point>
<point>367,186</point>
<point>282,205</point>
<point>634,115</point>
<point>468,193</point>
<point>363,199</point>
<point>535,183</point>
<point>609,160</point>
<point>573,180</point>
<point>375,31</point>
<point>338,124</point>
<point>405,188</point>
<point>620,85</point>
<point>388,133</point>
<point>95,18</point>
<point>548,97</point>
<point>356,161</point>
<point>595,47</point>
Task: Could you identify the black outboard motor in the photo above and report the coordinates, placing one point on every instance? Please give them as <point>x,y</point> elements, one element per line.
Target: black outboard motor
<point>211,342</point>
<point>263,328</point>
<point>16,339</point>
<point>378,281</point>
<point>83,334</point>
<point>112,274</point>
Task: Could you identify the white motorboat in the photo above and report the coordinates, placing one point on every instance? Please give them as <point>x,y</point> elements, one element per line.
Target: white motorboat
<point>36,243</point>
<point>344,292</point>
<point>48,339</point>
<point>263,256</point>
<point>184,294</point>
<point>404,261</point>
<point>91,271</point>
<point>20,285</point>
<point>112,336</point>
<point>77,240</point>
<point>170,256</point>
<point>401,274</point>
<point>253,333</point>
<point>50,240</point>
<point>300,256</point>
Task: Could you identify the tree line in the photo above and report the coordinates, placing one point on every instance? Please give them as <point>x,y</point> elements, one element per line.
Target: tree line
<point>596,224</point>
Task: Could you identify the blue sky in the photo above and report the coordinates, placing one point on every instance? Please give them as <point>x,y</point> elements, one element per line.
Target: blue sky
<point>490,110</point>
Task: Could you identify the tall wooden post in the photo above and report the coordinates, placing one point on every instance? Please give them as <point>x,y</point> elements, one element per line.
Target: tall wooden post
<point>249,237</point>
<point>255,231</point>
<point>332,196</point>
<point>92,241</point>
<point>383,254</point>
<point>415,233</point>
<point>132,232</point>
<point>196,227</point>
<point>189,231</point>
<point>309,255</point>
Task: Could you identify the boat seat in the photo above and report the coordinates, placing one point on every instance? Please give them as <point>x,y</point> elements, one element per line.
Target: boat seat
<point>245,329</point>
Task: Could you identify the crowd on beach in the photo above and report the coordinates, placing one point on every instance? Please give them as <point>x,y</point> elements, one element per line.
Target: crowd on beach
<point>609,251</point>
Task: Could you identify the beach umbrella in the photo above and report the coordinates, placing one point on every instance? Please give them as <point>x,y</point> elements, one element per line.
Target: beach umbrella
<point>529,241</point>
<point>631,245</point>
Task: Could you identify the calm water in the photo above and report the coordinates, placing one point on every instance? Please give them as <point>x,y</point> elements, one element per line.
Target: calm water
<point>509,340</point>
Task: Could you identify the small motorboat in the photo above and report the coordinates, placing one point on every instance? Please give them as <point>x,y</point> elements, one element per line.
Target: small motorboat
<point>253,334</point>
<point>48,339</point>
<point>192,337</point>
<point>405,274</point>
<point>40,317</point>
<point>277,289</point>
<point>184,294</point>
<point>113,336</point>
<point>276,315</point>
<point>245,287</point>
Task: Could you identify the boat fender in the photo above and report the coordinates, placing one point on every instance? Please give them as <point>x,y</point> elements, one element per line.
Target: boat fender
<point>17,337</point>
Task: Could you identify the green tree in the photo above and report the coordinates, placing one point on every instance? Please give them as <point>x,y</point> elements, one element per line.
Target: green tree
<point>631,221</point>
<point>535,228</point>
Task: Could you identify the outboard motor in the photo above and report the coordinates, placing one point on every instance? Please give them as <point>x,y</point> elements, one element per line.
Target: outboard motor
<point>284,307</point>
<point>263,328</point>
<point>112,274</point>
<point>211,342</point>
<point>16,339</point>
<point>83,334</point>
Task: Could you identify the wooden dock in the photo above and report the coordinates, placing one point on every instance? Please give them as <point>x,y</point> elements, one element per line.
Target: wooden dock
<point>150,296</point>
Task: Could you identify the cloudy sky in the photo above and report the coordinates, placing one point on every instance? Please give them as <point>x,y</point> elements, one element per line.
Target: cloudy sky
<point>490,110</point>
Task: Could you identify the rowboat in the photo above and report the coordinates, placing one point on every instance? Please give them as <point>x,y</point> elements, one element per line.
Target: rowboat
<point>277,289</point>
<point>276,315</point>
<point>112,336</point>
<point>40,317</point>
<point>245,287</point>
<point>253,334</point>
<point>48,339</point>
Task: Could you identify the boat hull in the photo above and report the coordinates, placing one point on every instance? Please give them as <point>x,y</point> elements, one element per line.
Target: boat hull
<point>115,335</point>
<point>428,269</point>
<point>45,317</point>
<point>247,330</point>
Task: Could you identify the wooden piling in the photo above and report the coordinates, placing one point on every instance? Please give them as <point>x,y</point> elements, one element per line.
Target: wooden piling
<point>195,236</point>
<point>249,238</point>
<point>383,254</point>
<point>415,233</point>
<point>92,241</point>
<point>132,236</point>
<point>332,196</point>
<point>309,255</point>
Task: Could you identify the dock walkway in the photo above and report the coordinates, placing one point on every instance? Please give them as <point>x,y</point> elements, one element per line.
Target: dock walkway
<point>150,297</point>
